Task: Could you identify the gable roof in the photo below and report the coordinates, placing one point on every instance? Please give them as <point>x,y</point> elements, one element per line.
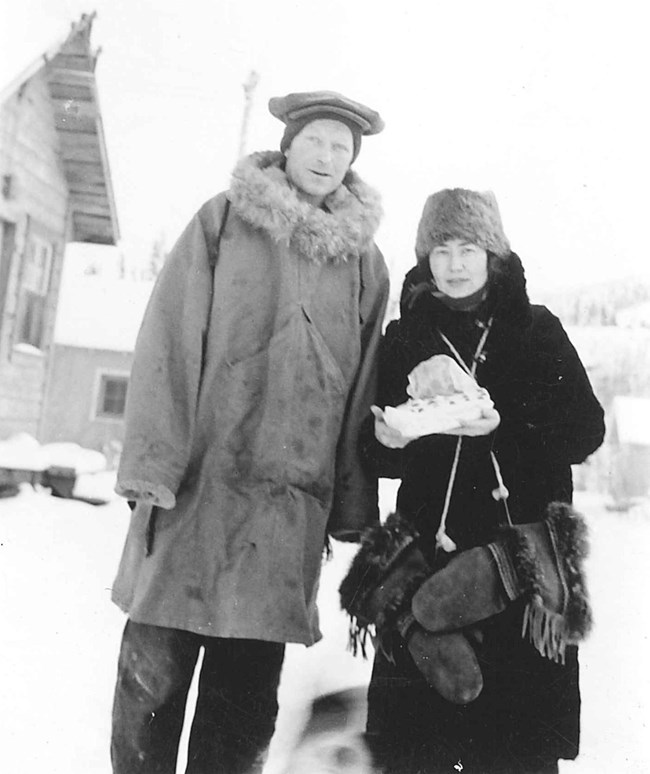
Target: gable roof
<point>69,70</point>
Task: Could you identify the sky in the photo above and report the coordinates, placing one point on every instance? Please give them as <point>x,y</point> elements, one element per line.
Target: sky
<point>543,102</point>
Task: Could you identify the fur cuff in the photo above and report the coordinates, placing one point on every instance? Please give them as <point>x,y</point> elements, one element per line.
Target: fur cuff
<point>547,559</point>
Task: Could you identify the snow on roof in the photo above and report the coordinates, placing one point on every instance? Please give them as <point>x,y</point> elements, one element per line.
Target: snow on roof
<point>632,417</point>
<point>96,313</point>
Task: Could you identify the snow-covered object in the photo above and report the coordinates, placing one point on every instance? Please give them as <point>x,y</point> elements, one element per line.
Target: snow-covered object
<point>24,452</point>
<point>98,487</point>
<point>71,455</point>
<point>443,397</point>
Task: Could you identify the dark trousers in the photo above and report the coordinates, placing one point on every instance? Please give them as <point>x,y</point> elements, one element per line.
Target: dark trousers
<point>236,706</point>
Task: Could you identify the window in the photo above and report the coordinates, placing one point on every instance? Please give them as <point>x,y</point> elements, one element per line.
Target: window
<point>34,287</point>
<point>7,245</point>
<point>111,396</point>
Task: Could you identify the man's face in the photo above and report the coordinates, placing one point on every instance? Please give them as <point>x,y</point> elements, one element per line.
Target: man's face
<point>459,268</point>
<point>318,158</point>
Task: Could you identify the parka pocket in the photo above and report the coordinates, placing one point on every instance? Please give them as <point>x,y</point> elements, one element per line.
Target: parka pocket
<point>279,412</point>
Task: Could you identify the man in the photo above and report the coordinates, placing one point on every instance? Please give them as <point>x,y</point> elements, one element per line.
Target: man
<point>253,368</point>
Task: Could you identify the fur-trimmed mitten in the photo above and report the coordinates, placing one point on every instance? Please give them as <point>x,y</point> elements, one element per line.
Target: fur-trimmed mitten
<point>541,562</point>
<point>377,592</point>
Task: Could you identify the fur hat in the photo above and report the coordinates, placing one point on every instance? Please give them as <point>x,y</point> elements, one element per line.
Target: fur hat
<point>457,213</point>
<point>298,109</point>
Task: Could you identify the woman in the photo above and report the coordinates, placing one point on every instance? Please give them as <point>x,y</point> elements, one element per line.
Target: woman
<point>466,298</point>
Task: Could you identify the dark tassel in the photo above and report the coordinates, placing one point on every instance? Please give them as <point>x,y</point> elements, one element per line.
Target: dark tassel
<point>546,630</point>
<point>357,637</point>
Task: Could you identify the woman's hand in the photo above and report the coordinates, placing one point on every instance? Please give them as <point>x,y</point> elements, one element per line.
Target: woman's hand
<point>393,439</point>
<point>386,435</point>
<point>484,425</point>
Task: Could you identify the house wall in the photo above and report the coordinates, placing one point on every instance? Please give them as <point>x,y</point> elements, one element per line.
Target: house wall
<point>629,471</point>
<point>33,207</point>
<point>70,406</point>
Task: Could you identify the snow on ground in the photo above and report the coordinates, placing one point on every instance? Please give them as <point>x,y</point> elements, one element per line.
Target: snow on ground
<point>60,639</point>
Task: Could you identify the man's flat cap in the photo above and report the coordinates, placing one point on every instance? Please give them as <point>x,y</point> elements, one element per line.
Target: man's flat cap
<point>303,104</point>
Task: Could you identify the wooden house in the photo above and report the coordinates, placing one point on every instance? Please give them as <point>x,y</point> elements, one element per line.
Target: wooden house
<point>55,188</point>
<point>91,361</point>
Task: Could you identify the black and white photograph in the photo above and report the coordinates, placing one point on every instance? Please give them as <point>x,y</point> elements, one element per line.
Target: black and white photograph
<point>324,387</point>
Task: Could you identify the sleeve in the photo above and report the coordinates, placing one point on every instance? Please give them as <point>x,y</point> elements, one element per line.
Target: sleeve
<point>165,376</point>
<point>355,502</point>
<point>392,380</point>
<point>554,410</point>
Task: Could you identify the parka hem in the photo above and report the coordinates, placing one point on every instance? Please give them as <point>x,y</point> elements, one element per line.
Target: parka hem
<point>235,633</point>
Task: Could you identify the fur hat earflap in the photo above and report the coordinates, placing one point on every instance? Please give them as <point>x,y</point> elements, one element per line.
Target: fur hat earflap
<point>457,213</point>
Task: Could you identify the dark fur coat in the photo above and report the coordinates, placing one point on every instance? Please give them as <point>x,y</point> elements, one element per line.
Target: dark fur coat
<point>550,420</point>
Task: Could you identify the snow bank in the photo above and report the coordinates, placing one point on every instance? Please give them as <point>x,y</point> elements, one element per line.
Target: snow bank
<point>81,473</point>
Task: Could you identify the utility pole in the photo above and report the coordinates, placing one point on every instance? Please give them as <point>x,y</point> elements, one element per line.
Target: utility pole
<point>249,88</point>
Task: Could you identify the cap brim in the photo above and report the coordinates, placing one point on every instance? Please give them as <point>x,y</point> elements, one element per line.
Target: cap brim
<point>301,105</point>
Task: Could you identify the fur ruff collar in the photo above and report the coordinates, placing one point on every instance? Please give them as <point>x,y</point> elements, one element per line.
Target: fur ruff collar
<point>262,196</point>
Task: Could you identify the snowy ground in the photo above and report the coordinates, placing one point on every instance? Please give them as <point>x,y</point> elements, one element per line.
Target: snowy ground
<point>60,637</point>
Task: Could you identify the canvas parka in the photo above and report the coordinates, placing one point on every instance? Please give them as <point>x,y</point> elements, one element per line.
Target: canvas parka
<point>245,397</point>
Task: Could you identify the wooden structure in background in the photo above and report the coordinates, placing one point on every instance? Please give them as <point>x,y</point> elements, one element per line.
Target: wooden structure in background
<point>86,394</point>
<point>55,188</point>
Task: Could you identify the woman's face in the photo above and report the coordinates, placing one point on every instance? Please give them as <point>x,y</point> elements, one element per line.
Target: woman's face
<point>459,268</point>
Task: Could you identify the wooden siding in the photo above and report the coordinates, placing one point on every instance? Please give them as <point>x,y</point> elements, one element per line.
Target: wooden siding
<point>30,154</point>
<point>69,412</point>
<point>37,205</point>
<point>21,393</point>
<point>55,187</point>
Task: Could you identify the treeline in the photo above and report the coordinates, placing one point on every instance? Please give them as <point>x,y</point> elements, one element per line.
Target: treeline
<point>597,304</point>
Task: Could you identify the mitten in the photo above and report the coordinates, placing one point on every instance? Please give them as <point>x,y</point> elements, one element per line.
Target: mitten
<point>377,592</point>
<point>447,661</point>
<point>541,562</point>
